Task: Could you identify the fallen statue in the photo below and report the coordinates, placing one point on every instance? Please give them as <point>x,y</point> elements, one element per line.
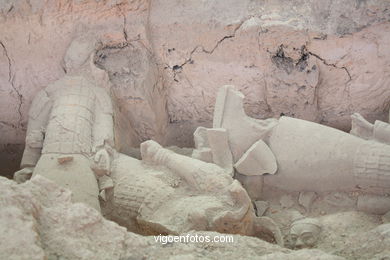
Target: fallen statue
<point>70,140</point>
<point>297,155</point>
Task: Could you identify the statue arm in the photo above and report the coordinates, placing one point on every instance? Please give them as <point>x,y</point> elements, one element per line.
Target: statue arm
<point>103,129</point>
<point>103,140</point>
<point>37,121</point>
<point>198,174</point>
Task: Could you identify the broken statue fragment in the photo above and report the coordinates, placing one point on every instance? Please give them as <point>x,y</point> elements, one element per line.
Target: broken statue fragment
<point>306,156</point>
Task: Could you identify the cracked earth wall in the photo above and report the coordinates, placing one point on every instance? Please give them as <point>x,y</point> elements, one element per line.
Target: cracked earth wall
<point>315,60</point>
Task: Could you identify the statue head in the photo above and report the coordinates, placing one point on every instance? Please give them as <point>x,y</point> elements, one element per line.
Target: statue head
<point>79,52</point>
<point>305,232</point>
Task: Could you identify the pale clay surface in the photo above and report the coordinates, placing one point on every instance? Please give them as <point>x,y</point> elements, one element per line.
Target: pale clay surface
<point>167,60</point>
<point>88,81</point>
<point>38,221</point>
<point>309,156</point>
<point>169,193</point>
<point>71,142</point>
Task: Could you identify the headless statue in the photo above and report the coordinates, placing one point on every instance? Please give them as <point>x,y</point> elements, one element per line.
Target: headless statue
<point>298,155</point>
<point>165,193</point>
<point>169,193</point>
<point>70,140</point>
<point>70,125</point>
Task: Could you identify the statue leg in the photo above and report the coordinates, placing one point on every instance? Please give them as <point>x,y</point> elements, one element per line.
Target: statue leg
<point>72,172</point>
<point>207,178</point>
<point>198,174</point>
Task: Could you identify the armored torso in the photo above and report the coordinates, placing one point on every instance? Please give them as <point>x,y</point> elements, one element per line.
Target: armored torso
<point>69,130</point>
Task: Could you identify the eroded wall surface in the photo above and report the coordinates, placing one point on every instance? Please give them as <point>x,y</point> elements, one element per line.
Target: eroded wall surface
<point>315,60</point>
<point>166,59</point>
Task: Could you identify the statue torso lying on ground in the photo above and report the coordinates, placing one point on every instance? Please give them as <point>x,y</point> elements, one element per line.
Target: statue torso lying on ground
<point>169,193</point>
<point>297,155</point>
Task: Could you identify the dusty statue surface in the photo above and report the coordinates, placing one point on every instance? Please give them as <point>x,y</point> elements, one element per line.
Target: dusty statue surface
<point>170,193</point>
<point>101,93</point>
<point>70,140</point>
<point>296,155</point>
<point>173,58</point>
<point>39,221</point>
<point>300,155</point>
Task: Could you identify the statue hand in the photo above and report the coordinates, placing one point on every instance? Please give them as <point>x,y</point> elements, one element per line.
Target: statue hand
<point>23,175</point>
<point>101,165</point>
<point>105,183</point>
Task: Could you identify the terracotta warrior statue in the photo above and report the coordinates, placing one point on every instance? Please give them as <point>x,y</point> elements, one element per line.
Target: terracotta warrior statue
<point>70,125</point>
<point>70,140</point>
<point>169,193</point>
<point>297,155</point>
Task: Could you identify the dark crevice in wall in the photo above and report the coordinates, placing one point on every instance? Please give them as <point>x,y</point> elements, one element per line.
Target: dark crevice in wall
<point>11,80</point>
<point>10,157</point>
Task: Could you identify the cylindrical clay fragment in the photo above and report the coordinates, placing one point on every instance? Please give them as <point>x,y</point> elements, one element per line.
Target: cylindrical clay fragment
<point>374,204</point>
